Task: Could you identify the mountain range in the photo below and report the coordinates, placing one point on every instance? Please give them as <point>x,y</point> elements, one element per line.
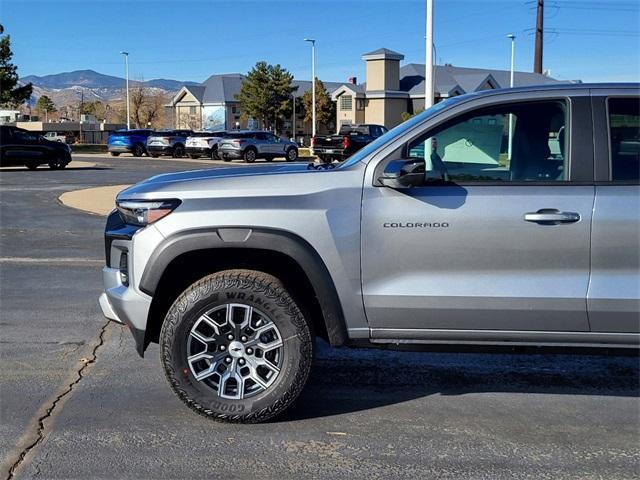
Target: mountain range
<point>67,88</point>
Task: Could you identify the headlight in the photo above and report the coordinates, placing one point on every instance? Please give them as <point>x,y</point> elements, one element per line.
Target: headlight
<point>145,212</point>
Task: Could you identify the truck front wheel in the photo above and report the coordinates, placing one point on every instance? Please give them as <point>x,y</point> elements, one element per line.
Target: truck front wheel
<point>236,348</point>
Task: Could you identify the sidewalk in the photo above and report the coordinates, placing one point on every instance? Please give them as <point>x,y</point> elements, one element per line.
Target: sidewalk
<point>97,200</point>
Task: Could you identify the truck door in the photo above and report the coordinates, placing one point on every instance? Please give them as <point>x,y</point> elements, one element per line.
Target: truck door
<point>497,238</point>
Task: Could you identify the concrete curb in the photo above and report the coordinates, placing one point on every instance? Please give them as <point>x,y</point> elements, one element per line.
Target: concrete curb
<point>97,200</point>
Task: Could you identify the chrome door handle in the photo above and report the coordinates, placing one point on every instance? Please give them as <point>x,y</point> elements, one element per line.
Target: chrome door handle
<point>551,216</point>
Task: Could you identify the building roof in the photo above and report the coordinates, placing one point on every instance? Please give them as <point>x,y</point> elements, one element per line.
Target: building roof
<point>448,77</point>
<point>223,88</point>
<point>195,90</point>
<point>383,54</point>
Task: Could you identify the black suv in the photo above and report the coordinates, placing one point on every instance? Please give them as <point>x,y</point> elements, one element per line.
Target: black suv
<point>22,147</point>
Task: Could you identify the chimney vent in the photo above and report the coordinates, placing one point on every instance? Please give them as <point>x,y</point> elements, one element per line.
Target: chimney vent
<point>353,80</point>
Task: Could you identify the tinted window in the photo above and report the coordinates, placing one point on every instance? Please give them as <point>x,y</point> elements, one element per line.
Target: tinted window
<point>261,136</point>
<point>624,134</point>
<point>520,142</point>
<point>25,136</point>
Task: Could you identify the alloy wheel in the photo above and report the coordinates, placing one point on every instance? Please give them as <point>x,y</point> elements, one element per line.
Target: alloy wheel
<point>236,350</point>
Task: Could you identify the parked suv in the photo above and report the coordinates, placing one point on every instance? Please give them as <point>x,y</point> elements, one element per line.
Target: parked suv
<point>249,145</point>
<point>128,141</point>
<point>22,147</point>
<point>204,143</point>
<point>168,142</point>
<point>506,217</point>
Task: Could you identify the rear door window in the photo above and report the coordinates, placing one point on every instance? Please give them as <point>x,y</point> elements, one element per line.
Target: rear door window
<point>624,138</point>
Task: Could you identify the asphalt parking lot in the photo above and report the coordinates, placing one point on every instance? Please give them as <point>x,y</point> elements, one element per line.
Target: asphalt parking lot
<point>76,401</point>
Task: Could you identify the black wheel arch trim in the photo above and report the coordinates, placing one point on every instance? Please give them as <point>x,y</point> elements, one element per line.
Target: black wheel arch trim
<point>280,241</point>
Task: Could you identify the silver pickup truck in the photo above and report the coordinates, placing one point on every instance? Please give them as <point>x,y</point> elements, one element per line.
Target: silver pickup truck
<point>507,217</point>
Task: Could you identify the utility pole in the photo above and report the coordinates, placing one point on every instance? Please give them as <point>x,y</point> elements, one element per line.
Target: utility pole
<point>126,74</point>
<point>513,56</point>
<point>428,66</point>
<point>80,116</point>
<point>313,85</point>
<point>537,62</point>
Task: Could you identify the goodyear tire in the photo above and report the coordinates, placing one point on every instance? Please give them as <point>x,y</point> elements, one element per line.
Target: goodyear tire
<point>235,347</point>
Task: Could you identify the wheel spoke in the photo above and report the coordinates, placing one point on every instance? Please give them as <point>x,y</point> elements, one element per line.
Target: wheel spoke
<point>209,321</point>
<point>201,338</point>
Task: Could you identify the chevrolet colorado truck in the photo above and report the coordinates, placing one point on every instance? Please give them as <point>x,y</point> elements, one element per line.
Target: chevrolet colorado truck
<point>506,217</point>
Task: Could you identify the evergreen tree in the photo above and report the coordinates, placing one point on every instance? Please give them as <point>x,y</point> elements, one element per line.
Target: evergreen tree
<point>265,93</point>
<point>11,95</point>
<point>325,107</point>
<point>46,106</point>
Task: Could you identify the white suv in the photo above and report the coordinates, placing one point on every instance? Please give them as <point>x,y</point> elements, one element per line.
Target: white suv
<point>204,143</point>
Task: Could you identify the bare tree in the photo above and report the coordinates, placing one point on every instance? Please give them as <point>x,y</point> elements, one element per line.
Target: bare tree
<point>147,107</point>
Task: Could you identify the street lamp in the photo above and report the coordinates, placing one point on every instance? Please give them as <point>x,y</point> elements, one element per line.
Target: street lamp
<point>313,85</point>
<point>513,55</point>
<point>126,74</point>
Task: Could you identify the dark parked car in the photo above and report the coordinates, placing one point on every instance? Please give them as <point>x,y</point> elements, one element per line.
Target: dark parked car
<point>128,141</point>
<point>22,147</point>
<point>348,141</point>
<point>168,142</point>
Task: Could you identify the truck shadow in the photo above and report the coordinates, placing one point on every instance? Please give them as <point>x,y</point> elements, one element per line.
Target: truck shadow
<point>348,380</point>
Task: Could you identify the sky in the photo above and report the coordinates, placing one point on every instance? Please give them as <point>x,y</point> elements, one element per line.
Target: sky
<point>589,40</point>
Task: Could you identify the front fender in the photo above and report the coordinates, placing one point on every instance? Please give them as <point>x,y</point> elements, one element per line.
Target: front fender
<point>254,238</point>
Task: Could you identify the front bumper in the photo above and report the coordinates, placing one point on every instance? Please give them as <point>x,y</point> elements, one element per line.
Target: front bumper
<point>198,151</point>
<point>125,306</point>
<point>123,303</point>
<point>230,153</point>
<point>120,148</point>
<point>160,149</point>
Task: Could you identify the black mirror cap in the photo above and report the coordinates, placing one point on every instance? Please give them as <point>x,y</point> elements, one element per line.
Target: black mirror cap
<point>404,173</point>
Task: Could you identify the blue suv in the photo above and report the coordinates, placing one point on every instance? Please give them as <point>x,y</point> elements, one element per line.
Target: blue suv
<point>128,141</point>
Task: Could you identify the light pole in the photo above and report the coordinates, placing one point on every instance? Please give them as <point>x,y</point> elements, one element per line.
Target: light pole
<point>126,75</point>
<point>513,56</point>
<point>313,85</point>
<point>428,66</point>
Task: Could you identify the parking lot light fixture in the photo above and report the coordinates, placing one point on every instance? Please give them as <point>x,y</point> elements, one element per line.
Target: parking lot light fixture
<point>313,85</point>
<point>126,75</point>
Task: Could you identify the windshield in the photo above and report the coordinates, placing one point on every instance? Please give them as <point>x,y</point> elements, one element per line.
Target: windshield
<point>397,131</point>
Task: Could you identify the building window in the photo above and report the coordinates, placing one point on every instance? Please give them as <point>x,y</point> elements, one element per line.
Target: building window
<point>234,110</point>
<point>360,104</point>
<point>346,102</point>
<point>192,110</point>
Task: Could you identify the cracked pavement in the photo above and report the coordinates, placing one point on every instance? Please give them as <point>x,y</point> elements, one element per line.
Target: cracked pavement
<point>77,402</point>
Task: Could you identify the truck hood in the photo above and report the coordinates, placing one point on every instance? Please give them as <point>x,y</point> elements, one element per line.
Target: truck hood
<point>209,178</point>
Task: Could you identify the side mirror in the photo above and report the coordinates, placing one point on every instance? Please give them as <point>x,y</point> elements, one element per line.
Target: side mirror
<point>403,173</point>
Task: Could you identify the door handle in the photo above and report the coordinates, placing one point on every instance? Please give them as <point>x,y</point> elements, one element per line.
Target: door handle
<point>551,216</point>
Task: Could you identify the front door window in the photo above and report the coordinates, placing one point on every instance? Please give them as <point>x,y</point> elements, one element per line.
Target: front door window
<point>514,143</point>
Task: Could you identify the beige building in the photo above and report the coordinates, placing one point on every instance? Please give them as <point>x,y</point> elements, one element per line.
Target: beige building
<point>213,106</point>
<point>390,90</point>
